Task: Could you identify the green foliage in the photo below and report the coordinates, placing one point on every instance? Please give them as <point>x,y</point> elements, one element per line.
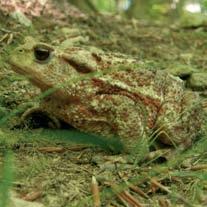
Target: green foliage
<point>103,5</point>
<point>204,4</point>
<point>112,144</point>
<point>6,179</point>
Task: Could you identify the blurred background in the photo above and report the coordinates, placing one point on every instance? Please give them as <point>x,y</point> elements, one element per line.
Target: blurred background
<point>190,12</point>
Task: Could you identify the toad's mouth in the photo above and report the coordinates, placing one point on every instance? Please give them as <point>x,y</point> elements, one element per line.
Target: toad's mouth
<point>37,79</point>
<point>33,77</point>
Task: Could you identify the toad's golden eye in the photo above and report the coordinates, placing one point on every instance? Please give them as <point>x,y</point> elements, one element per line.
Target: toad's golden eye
<point>42,54</point>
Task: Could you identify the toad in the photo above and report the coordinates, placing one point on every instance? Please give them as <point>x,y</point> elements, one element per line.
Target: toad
<point>106,94</point>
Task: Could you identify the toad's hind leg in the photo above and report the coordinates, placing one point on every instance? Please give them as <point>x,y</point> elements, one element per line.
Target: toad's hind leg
<point>125,116</point>
<point>181,126</point>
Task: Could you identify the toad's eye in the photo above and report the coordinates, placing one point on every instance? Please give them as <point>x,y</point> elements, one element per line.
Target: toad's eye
<point>42,54</point>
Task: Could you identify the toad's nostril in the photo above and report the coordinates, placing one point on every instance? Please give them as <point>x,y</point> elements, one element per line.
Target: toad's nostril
<point>20,50</point>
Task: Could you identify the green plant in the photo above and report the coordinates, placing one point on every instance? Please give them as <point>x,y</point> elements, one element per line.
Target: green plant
<point>6,179</point>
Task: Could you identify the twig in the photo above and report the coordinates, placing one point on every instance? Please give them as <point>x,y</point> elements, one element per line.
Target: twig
<point>159,185</point>
<point>5,30</point>
<point>32,196</point>
<point>131,200</point>
<point>139,191</point>
<point>125,196</point>
<point>4,37</point>
<point>199,167</point>
<point>10,39</point>
<point>95,193</point>
<point>164,188</point>
<point>164,202</point>
<point>51,149</point>
<point>77,148</point>
<point>122,200</point>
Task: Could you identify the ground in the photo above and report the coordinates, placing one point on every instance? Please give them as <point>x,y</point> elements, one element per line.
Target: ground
<point>50,169</point>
